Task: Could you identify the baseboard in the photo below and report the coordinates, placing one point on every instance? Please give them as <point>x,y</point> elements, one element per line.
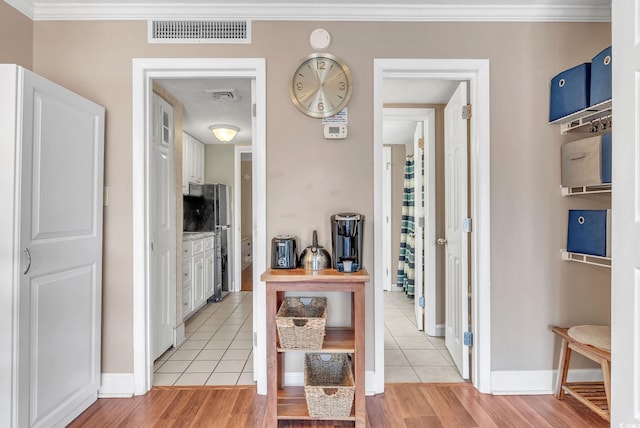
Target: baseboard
<point>179,335</point>
<point>116,385</point>
<point>536,382</point>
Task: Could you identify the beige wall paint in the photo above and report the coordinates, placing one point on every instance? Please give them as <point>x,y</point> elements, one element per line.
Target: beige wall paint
<point>16,37</point>
<point>310,178</point>
<point>219,164</point>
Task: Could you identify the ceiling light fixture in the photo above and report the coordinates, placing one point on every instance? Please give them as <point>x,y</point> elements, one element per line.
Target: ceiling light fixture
<point>224,133</point>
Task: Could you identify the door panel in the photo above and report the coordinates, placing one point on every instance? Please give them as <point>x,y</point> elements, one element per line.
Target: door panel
<point>61,238</point>
<point>418,192</point>
<point>625,199</point>
<point>456,248</point>
<point>162,224</point>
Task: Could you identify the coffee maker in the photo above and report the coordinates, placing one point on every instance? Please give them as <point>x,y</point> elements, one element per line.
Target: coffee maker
<point>347,231</point>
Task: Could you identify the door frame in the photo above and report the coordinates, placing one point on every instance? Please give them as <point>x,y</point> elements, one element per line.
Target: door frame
<point>237,214</point>
<point>418,113</point>
<point>143,72</point>
<point>476,71</point>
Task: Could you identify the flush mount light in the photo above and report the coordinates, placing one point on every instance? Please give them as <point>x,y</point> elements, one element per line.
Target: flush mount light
<point>224,133</point>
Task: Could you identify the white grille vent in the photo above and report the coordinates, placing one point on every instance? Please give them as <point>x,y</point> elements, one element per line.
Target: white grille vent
<point>199,31</point>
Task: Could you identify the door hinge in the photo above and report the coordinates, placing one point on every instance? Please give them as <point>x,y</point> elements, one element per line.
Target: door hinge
<point>255,338</point>
<point>466,225</point>
<point>421,301</point>
<point>253,110</point>
<point>468,338</point>
<point>466,112</point>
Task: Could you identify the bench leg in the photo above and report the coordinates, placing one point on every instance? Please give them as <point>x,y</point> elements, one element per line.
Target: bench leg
<point>606,374</point>
<point>563,368</point>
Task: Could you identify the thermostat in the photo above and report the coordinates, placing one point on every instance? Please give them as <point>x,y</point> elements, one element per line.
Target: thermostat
<point>335,131</point>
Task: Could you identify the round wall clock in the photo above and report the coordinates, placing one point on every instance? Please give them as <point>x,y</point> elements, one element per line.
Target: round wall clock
<point>321,85</point>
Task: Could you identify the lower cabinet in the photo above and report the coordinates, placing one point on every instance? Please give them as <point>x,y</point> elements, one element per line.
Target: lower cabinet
<point>198,272</point>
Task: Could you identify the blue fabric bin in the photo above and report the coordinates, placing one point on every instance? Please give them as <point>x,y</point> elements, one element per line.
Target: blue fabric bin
<point>570,91</point>
<point>600,90</point>
<point>589,232</point>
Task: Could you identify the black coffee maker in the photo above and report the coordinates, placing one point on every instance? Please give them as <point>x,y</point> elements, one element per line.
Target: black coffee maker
<point>347,231</point>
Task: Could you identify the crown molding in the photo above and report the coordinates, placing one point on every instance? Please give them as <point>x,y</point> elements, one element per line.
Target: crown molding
<point>44,11</point>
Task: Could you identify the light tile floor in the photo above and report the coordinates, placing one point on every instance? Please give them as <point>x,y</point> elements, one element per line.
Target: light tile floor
<point>409,354</point>
<point>218,349</point>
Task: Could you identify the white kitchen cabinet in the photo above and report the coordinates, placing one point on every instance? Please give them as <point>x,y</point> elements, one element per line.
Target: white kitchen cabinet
<point>187,297</point>
<point>51,182</point>
<point>197,284</point>
<point>192,162</point>
<point>198,267</point>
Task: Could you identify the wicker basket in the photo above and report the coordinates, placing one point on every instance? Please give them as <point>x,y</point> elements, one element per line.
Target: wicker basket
<point>301,321</point>
<point>328,385</point>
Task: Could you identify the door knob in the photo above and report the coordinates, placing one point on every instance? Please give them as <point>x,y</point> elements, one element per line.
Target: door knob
<point>441,241</point>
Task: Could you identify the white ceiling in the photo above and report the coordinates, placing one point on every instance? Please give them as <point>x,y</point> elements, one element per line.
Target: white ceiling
<point>201,110</point>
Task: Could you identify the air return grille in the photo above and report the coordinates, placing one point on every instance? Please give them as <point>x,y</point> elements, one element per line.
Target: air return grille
<point>199,31</point>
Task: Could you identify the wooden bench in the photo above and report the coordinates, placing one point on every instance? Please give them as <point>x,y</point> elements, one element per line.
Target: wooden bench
<point>594,395</point>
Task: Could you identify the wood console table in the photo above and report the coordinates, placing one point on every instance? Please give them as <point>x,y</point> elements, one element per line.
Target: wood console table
<point>288,402</point>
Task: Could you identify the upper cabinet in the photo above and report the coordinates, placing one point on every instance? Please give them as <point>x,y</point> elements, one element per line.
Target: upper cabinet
<point>192,162</point>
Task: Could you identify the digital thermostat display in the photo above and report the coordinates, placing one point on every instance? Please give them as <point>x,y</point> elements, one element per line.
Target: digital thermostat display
<point>335,132</point>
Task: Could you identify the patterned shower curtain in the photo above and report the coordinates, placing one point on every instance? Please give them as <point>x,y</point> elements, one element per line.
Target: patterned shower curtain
<point>406,262</point>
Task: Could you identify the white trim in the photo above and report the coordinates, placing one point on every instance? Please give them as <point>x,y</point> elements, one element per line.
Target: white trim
<point>144,70</point>
<point>116,385</point>
<point>292,11</point>
<point>237,220</point>
<point>387,266</point>
<point>477,72</point>
<point>537,382</point>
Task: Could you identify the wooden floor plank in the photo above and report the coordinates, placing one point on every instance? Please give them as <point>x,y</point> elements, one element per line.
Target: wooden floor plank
<point>401,406</point>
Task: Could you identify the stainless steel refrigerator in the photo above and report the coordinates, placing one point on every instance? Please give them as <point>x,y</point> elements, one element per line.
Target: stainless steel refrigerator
<point>209,210</point>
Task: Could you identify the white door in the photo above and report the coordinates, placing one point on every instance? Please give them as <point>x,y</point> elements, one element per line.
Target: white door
<point>162,220</point>
<point>61,238</point>
<point>419,216</point>
<point>456,240</point>
<point>625,264</point>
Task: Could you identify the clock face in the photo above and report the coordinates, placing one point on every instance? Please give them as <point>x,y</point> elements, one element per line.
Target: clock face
<point>321,85</point>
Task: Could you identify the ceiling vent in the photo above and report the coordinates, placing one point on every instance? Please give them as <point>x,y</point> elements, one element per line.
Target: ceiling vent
<point>199,31</point>
<point>223,95</point>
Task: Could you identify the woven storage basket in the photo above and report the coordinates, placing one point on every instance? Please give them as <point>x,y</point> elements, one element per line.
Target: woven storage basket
<point>328,385</point>
<point>301,322</point>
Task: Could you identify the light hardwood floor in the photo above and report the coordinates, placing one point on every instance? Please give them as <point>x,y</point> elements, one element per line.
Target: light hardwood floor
<point>401,406</point>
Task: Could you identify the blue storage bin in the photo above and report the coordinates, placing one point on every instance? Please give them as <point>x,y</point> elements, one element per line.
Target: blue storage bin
<point>606,158</point>
<point>570,91</point>
<point>600,90</point>
<point>589,232</point>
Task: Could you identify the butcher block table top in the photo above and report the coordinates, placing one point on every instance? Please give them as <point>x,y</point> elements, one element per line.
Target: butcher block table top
<point>323,275</point>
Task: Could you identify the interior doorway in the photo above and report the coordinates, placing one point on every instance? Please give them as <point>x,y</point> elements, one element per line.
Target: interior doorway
<point>477,73</point>
<point>144,72</point>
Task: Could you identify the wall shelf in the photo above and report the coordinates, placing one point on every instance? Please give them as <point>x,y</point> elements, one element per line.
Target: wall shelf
<point>586,258</point>
<point>583,119</point>
<point>586,190</point>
